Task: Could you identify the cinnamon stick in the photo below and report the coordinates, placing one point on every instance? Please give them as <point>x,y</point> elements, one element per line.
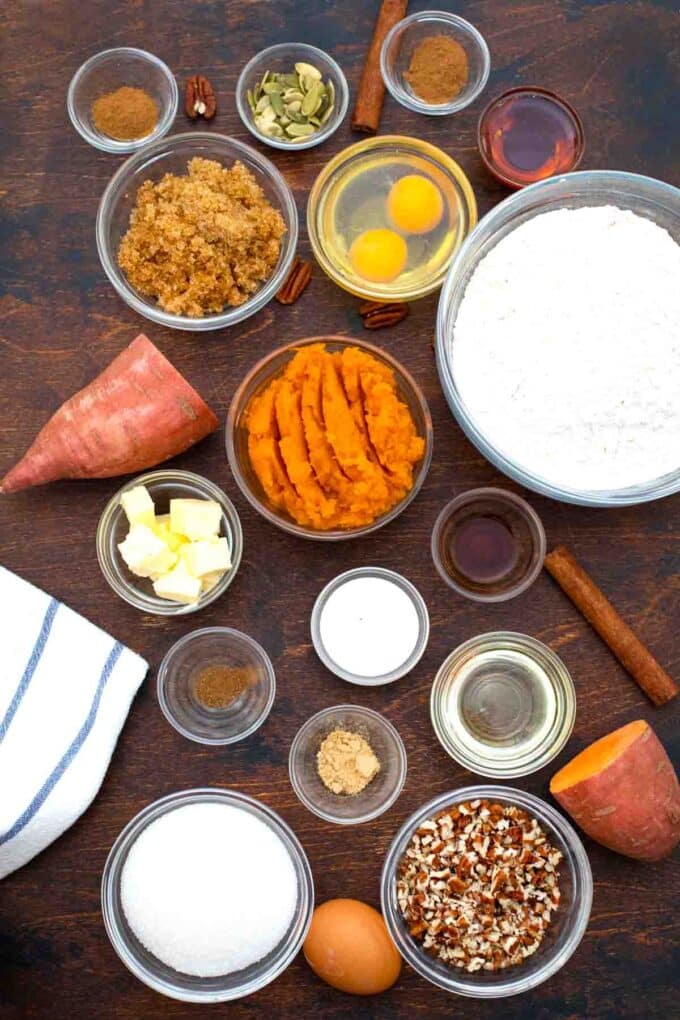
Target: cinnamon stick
<point>368,108</point>
<point>600,613</point>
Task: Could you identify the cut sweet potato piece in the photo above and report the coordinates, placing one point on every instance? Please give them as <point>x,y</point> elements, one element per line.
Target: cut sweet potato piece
<point>623,791</point>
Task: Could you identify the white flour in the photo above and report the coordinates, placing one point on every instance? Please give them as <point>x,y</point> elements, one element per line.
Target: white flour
<point>566,349</point>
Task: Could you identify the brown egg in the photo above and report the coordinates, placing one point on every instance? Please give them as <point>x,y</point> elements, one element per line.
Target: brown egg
<point>348,946</point>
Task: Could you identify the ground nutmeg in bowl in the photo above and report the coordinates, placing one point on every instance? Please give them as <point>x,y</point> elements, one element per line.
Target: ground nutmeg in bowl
<point>478,885</point>
<point>203,240</point>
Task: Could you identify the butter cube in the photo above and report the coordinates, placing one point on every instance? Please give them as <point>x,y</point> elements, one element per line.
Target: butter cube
<point>138,506</point>
<point>205,557</point>
<point>166,534</point>
<point>178,585</point>
<point>145,553</point>
<point>208,581</point>
<point>195,518</point>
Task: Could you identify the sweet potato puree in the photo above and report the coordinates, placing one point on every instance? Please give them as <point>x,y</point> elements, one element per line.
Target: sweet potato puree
<point>330,441</point>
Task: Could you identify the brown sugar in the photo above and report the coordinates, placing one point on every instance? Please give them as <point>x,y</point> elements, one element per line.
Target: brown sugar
<point>202,240</point>
<point>125,114</point>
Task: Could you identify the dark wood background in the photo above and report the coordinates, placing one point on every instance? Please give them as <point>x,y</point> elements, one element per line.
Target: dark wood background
<point>61,322</point>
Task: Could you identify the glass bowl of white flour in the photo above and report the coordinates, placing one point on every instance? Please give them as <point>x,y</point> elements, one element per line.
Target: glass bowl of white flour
<point>558,338</point>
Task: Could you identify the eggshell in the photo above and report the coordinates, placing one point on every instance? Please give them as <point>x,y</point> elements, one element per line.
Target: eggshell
<point>348,946</point>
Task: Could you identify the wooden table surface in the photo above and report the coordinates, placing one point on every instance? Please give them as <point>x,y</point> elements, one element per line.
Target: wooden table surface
<point>61,322</point>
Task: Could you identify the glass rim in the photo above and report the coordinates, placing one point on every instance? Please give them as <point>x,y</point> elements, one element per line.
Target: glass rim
<point>269,682</point>
<point>439,158</point>
<point>411,102</point>
<point>381,722</point>
<point>328,129</point>
<point>112,145</point>
<point>236,410</point>
<point>232,798</point>
<point>126,589</point>
<point>516,205</point>
<point>237,313</point>
<point>536,528</point>
<point>417,601</point>
<point>548,817</point>
<point>561,727</point>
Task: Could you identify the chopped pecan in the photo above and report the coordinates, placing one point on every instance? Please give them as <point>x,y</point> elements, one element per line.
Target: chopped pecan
<point>379,314</point>
<point>299,275</point>
<point>199,98</point>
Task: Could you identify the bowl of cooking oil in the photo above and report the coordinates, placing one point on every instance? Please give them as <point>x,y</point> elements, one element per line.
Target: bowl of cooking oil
<point>386,216</point>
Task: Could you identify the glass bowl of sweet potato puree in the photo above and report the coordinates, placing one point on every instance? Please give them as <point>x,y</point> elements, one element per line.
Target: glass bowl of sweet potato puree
<point>329,438</point>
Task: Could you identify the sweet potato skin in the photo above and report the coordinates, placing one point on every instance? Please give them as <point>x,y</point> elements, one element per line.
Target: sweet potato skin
<point>137,413</point>
<point>631,806</point>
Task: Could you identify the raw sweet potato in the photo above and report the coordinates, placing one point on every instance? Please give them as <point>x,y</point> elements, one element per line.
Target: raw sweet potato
<point>138,412</point>
<point>623,791</point>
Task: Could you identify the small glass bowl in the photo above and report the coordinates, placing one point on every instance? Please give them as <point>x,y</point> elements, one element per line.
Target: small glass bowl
<point>400,42</point>
<point>381,792</point>
<point>236,434</point>
<point>400,153</point>
<point>176,685</point>
<point>498,659</point>
<point>517,516</point>
<point>496,105</point>
<point>171,155</point>
<point>157,975</point>
<point>107,71</point>
<point>282,58</point>
<point>113,526</point>
<point>423,626</point>
<point>567,926</point>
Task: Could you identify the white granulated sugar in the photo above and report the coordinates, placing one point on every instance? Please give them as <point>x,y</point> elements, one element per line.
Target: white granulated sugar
<point>369,626</point>
<point>209,889</point>
<point>566,348</point>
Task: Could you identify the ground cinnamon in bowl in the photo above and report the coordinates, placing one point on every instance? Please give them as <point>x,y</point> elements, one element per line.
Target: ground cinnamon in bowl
<point>217,686</point>
<point>126,114</point>
<point>438,70</point>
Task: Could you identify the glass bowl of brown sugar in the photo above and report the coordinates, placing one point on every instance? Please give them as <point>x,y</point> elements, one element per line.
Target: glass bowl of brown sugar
<point>121,99</point>
<point>216,686</point>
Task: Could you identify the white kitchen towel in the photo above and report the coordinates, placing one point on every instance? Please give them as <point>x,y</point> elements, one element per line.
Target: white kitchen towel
<point>65,692</point>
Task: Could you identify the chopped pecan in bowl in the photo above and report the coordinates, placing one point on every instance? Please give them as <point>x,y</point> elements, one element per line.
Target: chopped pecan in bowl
<point>478,884</point>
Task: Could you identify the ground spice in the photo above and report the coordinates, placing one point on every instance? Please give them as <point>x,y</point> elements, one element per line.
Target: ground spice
<point>125,114</point>
<point>201,240</point>
<point>438,70</point>
<point>217,686</point>
<point>346,762</point>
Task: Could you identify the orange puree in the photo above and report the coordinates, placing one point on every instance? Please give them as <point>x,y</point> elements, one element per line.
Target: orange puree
<point>331,441</point>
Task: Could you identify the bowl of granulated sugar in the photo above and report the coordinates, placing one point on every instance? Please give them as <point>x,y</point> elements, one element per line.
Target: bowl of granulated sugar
<point>207,895</point>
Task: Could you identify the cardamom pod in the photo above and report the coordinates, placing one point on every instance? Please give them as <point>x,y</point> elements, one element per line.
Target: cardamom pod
<point>291,106</point>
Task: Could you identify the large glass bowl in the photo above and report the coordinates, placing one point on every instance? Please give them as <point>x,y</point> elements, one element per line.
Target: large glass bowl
<point>171,155</point>
<point>259,378</point>
<point>566,928</point>
<point>158,975</point>
<point>645,196</point>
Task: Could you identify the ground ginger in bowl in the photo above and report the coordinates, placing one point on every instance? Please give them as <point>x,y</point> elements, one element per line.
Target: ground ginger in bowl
<point>203,240</point>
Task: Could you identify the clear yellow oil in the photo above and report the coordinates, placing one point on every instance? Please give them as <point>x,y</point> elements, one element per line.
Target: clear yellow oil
<point>356,201</point>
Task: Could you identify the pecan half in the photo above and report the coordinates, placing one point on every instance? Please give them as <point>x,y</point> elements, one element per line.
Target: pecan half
<point>378,314</point>
<point>299,275</point>
<point>199,98</point>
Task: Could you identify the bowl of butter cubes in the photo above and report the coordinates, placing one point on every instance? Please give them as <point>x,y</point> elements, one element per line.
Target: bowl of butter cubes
<point>169,542</point>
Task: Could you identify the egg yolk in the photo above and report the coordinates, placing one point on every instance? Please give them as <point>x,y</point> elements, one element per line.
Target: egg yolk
<point>415,204</point>
<point>378,255</point>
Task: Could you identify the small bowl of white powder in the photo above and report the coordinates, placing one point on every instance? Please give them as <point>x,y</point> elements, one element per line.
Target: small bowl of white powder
<point>558,338</point>
<point>370,626</point>
<point>207,895</point>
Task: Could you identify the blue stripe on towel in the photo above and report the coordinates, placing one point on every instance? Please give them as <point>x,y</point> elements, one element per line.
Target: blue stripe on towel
<point>70,754</point>
<point>38,649</point>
